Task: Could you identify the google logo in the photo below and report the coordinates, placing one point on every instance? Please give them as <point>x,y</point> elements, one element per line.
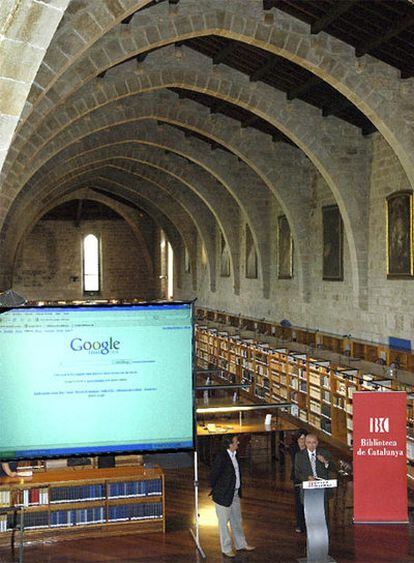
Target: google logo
<point>77,345</point>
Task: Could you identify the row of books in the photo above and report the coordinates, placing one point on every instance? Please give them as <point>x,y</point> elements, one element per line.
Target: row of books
<point>78,517</point>
<point>81,517</point>
<point>54,495</point>
<point>30,520</point>
<point>5,498</point>
<point>326,425</point>
<point>27,497</point>
<point>151,487</point>
<point>142,511</point>
<point>78,493</point>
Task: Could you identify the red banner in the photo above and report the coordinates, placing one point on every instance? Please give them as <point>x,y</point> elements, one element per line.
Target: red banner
<point>380,457</point>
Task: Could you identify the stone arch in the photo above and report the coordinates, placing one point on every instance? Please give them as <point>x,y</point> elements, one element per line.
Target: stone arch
<point>129,216</point>
<point>25,32</point>
<point>152,192</point>
<point>91,23</point>
<point>177,187</point>
<point>255,148</point>
<point>178,241</point>
<point>374,89</point>
<point>278,153</point>
<point>233,174</point>
<point>123,211</point>
<point>174,236</point>
<point>319,140</point>
<point>198,191</point>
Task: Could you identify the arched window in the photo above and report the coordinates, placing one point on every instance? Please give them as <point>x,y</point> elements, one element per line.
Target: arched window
<point>166,267</point>
<point>91,263</point>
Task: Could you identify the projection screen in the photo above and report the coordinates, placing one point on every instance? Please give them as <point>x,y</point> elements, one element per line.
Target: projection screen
<point>90,380</point>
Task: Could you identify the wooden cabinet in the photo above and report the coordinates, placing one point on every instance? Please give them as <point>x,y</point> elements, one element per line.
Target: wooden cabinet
<point>84,502</point>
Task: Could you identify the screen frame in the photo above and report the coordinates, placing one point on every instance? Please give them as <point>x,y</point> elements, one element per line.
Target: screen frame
<point>126,305</point>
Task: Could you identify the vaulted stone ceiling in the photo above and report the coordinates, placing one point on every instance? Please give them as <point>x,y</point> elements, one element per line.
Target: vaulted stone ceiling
<point>205,113</point>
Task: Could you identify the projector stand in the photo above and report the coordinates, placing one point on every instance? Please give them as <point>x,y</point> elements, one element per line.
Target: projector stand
<point>20,527</point>
<point>195,533</point>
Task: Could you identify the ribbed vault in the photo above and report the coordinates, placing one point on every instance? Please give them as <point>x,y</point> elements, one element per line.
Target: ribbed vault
<point>212,115</point>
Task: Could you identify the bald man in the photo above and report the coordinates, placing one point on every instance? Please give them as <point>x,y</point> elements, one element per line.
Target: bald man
<point>313,462</point>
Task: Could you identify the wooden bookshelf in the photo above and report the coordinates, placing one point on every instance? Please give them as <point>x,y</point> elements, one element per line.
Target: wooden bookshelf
<point>321,391</point>
<point>84,503</point>
<point>304,337</point>
<point>356,348</point>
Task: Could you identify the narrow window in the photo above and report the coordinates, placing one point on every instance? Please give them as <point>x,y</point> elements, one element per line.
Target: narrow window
<point>91,281</point>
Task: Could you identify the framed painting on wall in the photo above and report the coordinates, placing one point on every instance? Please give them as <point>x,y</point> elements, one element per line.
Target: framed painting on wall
<point>332,244</point>
<point>285,249</point>
<point>224,259</point>
<point>399,235</point>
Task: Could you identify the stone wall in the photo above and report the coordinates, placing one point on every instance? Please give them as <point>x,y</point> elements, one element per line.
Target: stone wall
<point>49,262</point>
<point>101,115</point>
<point>391,302</point>
<point>331,307</point>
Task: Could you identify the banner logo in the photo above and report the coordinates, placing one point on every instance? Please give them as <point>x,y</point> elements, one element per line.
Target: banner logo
<point>380,459</point>
<point>379,424</point>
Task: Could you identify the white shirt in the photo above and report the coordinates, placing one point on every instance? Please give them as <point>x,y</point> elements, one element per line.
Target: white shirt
<point>310,458</point>
<point>236,468</point>
<point>313,455</point>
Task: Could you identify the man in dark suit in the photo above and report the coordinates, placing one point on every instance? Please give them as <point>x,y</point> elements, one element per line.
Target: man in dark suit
<point>313,462</point>
<point>225,480</point>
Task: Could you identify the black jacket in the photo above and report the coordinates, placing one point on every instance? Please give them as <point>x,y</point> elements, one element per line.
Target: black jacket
<point>223,479</point>
<point>294,450</point>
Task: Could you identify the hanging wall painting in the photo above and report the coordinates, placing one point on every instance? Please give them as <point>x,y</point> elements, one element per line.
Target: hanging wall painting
<point>332,243</point>
<point>399,223</point>
<point>224,258</point>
